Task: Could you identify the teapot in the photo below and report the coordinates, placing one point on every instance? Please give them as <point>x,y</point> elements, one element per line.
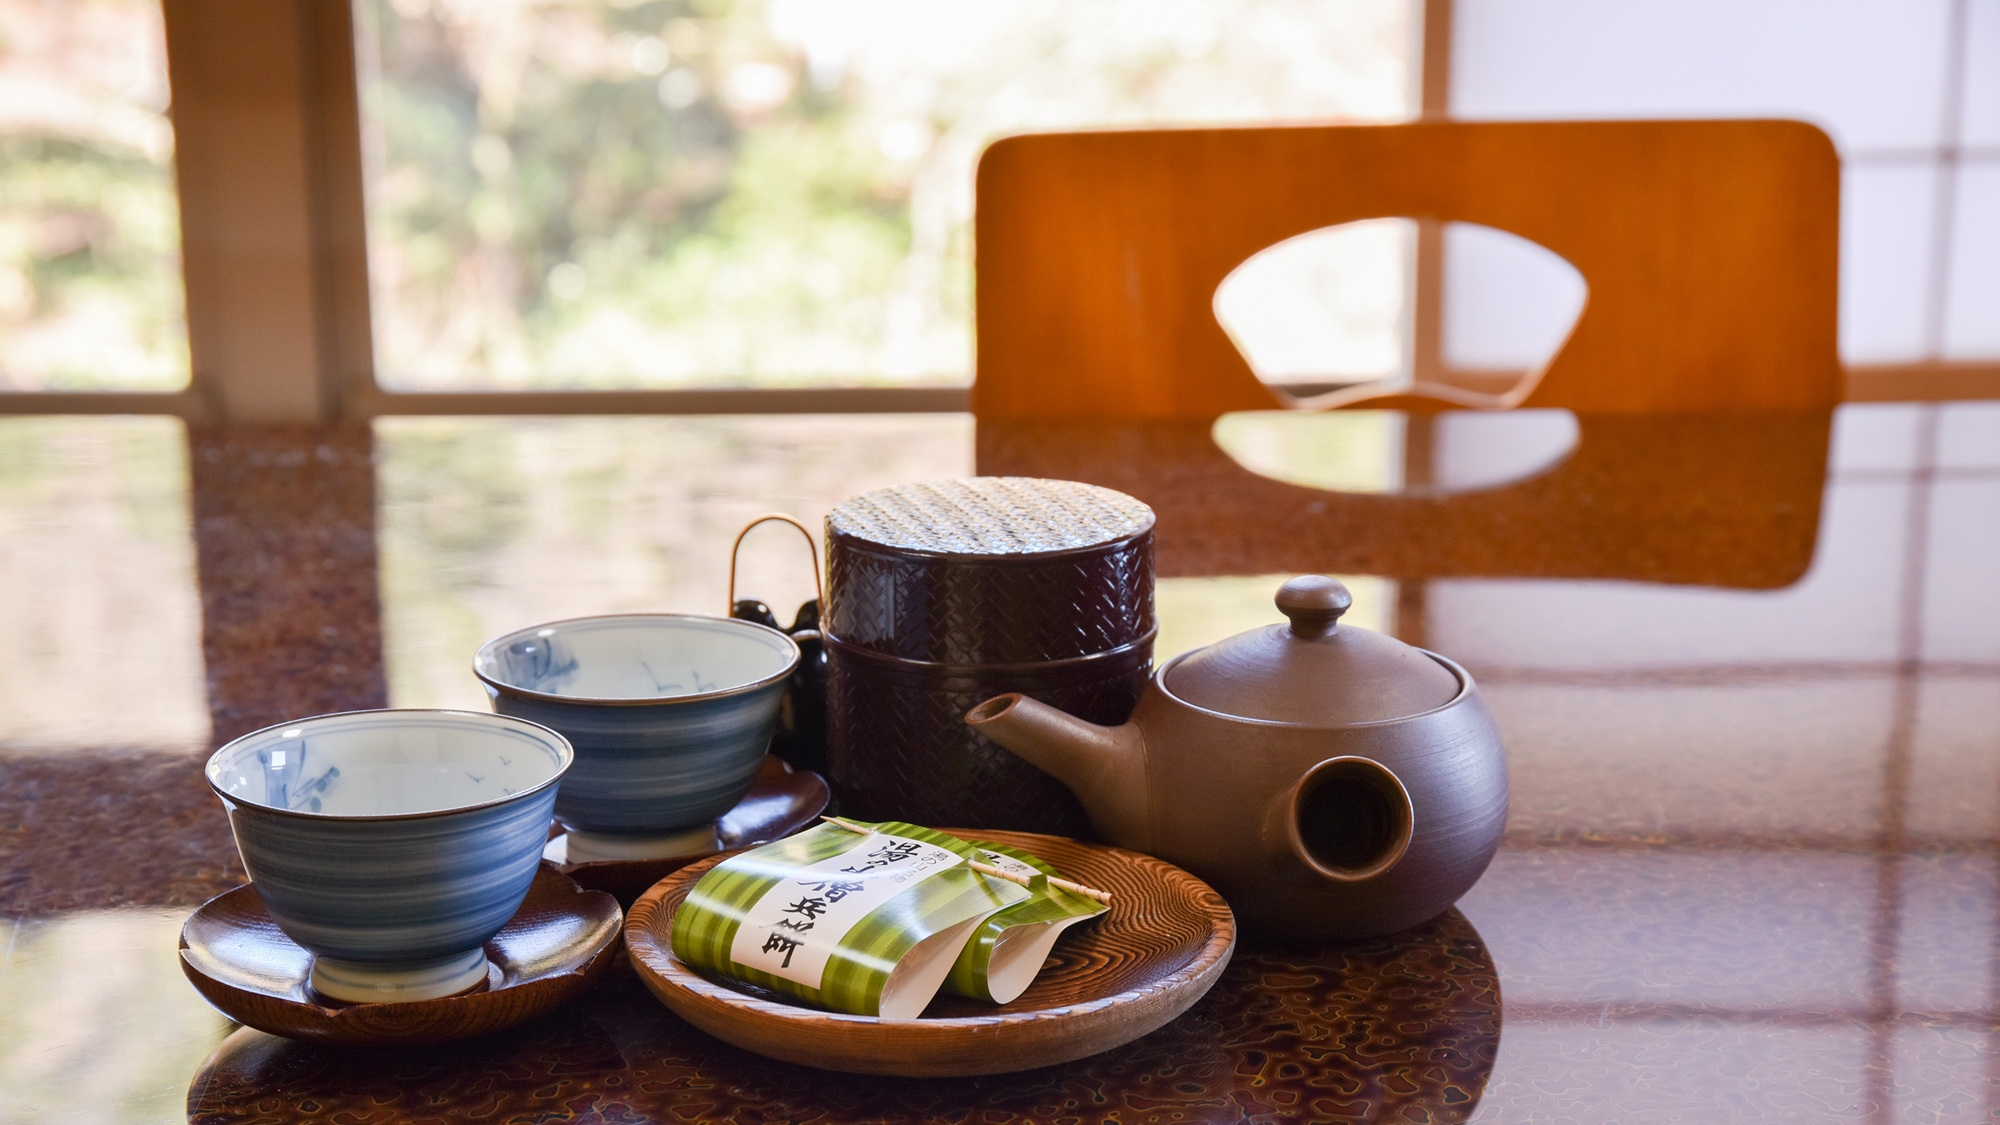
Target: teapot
<point>1331,782</point>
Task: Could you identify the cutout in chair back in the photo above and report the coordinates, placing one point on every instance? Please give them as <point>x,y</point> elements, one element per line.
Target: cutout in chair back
<point>1509,304</point>
<point>1332,316</point>
<point>1325,310</point>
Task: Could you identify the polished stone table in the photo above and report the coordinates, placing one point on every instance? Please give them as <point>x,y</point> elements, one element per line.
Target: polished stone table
<point>1748,670</point>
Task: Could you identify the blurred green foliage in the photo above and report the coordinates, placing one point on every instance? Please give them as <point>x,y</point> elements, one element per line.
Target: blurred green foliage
<point>602,193</point>
<point>90,286</point>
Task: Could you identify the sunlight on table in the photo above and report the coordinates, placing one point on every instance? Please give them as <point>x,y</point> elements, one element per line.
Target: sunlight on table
<point>97,1024</point>
<point>97,586</point>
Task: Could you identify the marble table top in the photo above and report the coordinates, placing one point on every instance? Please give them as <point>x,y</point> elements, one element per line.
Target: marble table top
<point>1747,669</point>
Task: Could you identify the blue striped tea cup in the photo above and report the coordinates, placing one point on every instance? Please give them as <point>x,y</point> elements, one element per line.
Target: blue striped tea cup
<point>670,715</point>
<point>392,844</point>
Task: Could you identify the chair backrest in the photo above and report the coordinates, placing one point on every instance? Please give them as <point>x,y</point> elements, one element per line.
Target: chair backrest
<point>1711,250</point>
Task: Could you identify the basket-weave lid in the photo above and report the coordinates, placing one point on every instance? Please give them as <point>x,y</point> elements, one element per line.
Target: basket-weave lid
<point>990,570</point>
<point>990,516</point>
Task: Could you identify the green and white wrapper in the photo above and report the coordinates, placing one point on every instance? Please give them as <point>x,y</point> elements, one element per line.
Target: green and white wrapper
<point>1009,948</point>
<point>866,924</point>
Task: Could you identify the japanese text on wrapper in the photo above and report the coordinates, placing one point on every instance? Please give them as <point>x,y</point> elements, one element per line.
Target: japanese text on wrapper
<point>792,930</point>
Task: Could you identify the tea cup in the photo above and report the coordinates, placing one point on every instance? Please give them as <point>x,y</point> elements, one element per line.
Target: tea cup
<point>670,715</point>
<point>392,844</point>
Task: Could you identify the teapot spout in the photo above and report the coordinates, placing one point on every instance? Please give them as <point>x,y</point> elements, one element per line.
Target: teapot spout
<point>1104,766</point>
<point>1347,819</point>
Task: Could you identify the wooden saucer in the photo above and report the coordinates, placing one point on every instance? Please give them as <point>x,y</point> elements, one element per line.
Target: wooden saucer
<point>1163,943</point>
<point>782,800</point>
<point>551,950</point>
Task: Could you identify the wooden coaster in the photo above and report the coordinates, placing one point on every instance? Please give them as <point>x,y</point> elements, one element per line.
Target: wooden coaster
<point>781,801</point>
<point>551,950</point>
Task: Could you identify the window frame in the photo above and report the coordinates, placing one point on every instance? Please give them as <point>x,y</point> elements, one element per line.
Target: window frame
<point>274,250</point>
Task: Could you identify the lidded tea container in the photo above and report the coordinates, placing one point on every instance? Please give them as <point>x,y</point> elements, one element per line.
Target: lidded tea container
<point>946,593</point>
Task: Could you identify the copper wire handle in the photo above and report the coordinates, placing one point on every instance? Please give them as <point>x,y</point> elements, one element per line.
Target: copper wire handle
<point>812,545</point>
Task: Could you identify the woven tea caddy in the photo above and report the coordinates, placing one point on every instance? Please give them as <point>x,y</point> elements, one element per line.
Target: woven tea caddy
<point>945,593</point>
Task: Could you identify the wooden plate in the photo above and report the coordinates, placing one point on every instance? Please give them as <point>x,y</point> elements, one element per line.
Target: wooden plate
<point>1163,943</point>
<point>782,800</point>
<point>551,950</point>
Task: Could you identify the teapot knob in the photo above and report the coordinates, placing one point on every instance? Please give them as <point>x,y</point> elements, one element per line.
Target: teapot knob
<point>1314,604</point>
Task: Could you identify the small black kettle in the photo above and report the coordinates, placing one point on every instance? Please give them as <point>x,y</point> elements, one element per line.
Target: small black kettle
<point>801,735</point>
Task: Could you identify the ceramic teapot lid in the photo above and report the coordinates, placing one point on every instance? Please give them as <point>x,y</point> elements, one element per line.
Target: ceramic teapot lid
<point>1315,671</point>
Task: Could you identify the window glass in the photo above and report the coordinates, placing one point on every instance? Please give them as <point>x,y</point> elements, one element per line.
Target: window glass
<point>767,192</point>
<point>1887,215</point>
<point>1972,319</point>
<point>1981,103</point>
<point>1710,58</point>
<point>1904,88</point>
<point>90,282</point>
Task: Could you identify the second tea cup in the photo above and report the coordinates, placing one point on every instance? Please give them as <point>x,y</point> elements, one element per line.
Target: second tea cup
<point>670,715</point>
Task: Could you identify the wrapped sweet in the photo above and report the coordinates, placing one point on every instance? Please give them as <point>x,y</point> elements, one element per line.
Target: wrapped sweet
<point>1009,948</point>
<point>866,922</point>
<point>872,919</point>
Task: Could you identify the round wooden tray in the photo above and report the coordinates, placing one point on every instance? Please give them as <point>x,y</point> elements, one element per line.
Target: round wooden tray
<point>1163,943</point>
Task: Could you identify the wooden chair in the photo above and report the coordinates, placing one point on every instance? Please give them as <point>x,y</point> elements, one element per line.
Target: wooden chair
<point>1710,248</point>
